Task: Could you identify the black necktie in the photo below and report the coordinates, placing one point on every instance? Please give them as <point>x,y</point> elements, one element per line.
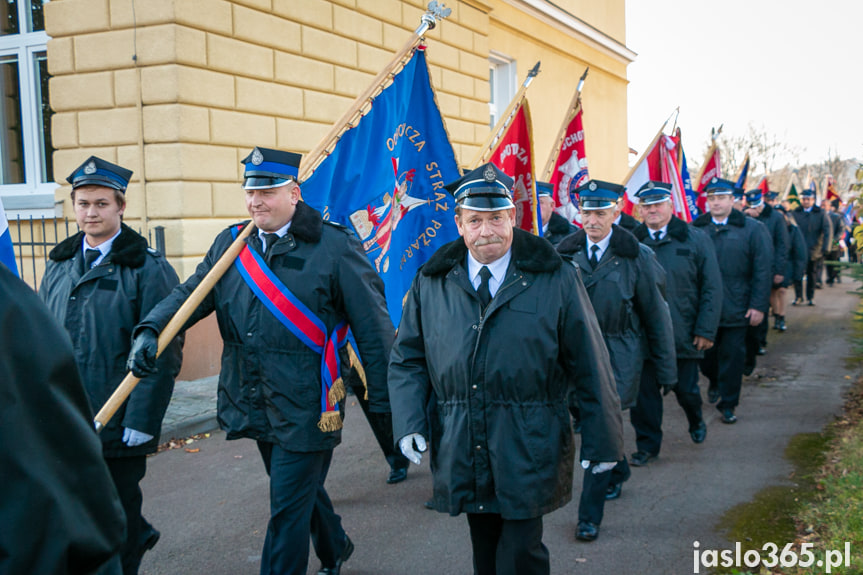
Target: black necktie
<point>594,259</point>
<point>484,291</point>
<point>90,256</point>
<point>270,239</point>
<point>657,235</point>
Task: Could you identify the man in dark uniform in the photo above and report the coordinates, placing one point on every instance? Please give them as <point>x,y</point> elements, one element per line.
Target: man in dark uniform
<point>554,226</point>
<point>815,225</point>
<point>795,267</point>
<point>771,198</point>
<point>625,284</point>
<point>694,295</point>
<point>58,506</point>
<point>282,309</point>
<point>837,227</point>
<point>756,337</point>
<point>503,447</point>
<point>745,254</point>
<point>99,284</point>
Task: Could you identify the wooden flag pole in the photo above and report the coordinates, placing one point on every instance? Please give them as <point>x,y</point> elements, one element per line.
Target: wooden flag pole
<point>495,135</point>
<point>649,147</point>
<point>571,112</point>
<point>436,11</point>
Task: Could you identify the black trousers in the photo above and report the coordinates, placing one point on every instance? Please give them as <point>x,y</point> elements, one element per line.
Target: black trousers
<point>646,416</point>
<point>127,473</point>
<point>299,506</point>
<point>832,271</point>
<point>591,506</point>
<point>382,428</point>
<point>723,365</point>
<point>811,269</point>
<point>756,337</point>
<point>507,546</point>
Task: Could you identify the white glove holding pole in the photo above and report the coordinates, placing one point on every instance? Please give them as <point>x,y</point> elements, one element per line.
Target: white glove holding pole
<point>407,443</point>
<point>134,438</point>
<point>600,467</point>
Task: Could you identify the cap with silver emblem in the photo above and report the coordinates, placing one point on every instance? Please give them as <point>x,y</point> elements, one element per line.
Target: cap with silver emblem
<point>266,168</point>
<point>653,192</point>
<point>484,189</point>
<point>98,172</point>
<point>598,195</point>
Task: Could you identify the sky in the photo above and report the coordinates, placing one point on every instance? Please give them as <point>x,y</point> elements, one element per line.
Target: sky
<point>791,68</point>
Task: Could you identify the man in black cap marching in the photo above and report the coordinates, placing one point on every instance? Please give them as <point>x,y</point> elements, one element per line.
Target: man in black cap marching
<point>503,448</point>
<point>554,226</point>
<point>283,310</point>
<point>756,207</point>
<point>694,295</point>
<point>745,254</point>
<point>624,282</point>
<point>815,225</point>
<point>100,283</point>
<point>838,230</point>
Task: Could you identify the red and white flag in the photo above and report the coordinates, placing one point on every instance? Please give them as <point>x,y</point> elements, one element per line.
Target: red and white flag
<point>513,154</point>
<point>570,168</point>
<point>658,163</point>
<point>711,168</point>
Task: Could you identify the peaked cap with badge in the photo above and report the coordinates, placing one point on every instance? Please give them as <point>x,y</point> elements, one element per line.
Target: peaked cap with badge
<point>653,192</point>
<point>484,189</point>
<point>720,187</point>
<point>544,189</point>
<point>598,195</point>
<point>807,193</point>
<point>266,168</point>
<point>754,198</point>
<point>98,172</point>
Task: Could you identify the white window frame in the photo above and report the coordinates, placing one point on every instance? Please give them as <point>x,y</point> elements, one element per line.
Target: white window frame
<point>34,197</point>
<point>503,84</point>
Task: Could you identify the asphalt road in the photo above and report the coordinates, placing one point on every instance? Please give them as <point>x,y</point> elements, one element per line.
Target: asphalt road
<point>212,505</point>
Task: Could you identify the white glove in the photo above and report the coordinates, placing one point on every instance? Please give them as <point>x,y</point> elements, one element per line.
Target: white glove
<point>601,467</point>
<point>134,438</point>
<point>406,444</point>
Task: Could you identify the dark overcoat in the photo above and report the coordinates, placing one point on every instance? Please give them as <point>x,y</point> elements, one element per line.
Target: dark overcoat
<point>816,229</point>
<point>558,228</point>
<point>99,310</point>
<point>270,382</point>
<point>503,442</point>
<point>775,223</point>
<point>626,290</point>
<point>59,509</point>
<point>745,254</point>
<point>693,284</point>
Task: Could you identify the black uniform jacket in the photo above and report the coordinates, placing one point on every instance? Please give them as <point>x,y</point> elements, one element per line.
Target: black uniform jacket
<point>59,510</point>
<point>816,229</point>
<point>626,290</point>
<point>504,442</point>
<point>778,231</point>
<point>270,383</point>
<point>745,254</point>
<point>693,284</point>
<point>837,229</point>
<point>628,222</point>
<point>558,228</point>
<point>99,310</point>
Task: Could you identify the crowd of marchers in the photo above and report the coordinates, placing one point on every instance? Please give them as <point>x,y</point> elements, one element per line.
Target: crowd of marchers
<point>606,318</point>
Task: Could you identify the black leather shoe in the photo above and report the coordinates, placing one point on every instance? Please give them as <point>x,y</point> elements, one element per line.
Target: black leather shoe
<point>713,394</point>
<point>346,554</point>
<point>586,531</point>
<point>613,492</point>
<point>150,541</point>
<point>761,351</point>
<point>728,416</point>
<point>397,475</point>
<point>748,368</point>
<point>781,326</point>
<point>429,504</point>
<point>640,459</point>
<point>811,303</point>
<point>699,433</point>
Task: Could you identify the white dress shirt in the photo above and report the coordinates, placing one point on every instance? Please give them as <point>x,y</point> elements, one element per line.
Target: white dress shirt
<point>497,269</point>
<point>603,245</point>
<point>104,247</point>
<point>279,232</point>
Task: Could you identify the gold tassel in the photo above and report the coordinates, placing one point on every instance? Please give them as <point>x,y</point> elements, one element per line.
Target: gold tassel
<point>330,421</point>
<point>336,392</point>
<point>355,363</point>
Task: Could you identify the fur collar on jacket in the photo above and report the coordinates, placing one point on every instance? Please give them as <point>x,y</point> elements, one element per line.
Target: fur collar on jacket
<point>677,229</point>
<point>558,224</point>
<point>735,218</point>
<point>307,223</point>
<point>765,213</point>
<point>129,249</point>
<point>622,243</point>
<point>529,253</point>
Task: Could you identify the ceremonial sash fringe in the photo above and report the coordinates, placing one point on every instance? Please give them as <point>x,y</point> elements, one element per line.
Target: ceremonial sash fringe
<point>304,324</point>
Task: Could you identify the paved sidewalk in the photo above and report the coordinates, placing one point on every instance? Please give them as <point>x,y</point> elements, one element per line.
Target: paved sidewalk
<point>192,409</point>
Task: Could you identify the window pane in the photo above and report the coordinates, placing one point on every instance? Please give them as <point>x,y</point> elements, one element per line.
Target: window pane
<point>11,143</point>
<point>46,149</point>
<point>8,17</point>
<point>37,21</point>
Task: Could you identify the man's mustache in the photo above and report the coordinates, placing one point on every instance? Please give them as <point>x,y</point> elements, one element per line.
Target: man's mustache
<point>488,241</point>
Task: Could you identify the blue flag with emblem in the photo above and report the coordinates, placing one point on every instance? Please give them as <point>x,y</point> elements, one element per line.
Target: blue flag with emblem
<point>384,180</point>
<point>7,254</point>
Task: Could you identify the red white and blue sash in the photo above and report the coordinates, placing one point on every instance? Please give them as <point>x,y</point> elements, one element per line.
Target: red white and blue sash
<point>304,324</point>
